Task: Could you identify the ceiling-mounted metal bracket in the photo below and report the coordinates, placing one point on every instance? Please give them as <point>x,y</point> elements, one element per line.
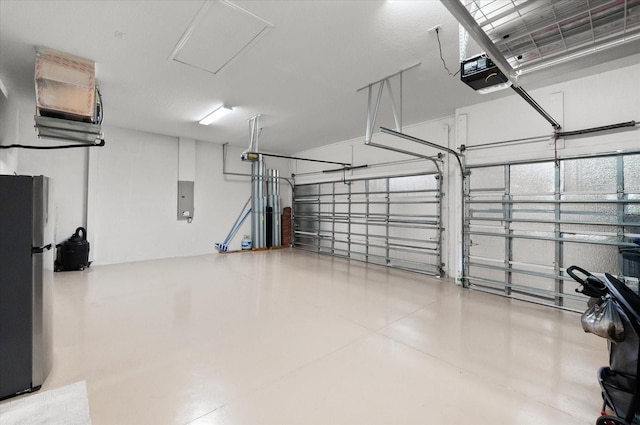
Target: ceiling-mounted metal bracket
<point>254,132</point>
<point>251,153</point>
<point>372,110</point>
<point>460,12</point>
<point>462,15</point>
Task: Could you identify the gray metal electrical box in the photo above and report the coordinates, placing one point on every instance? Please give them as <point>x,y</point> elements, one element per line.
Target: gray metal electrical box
<point>185,200</point>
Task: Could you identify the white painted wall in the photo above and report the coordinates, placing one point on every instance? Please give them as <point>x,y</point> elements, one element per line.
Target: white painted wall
<point>67,170</point>
<point>186,159</point>
<point>602,99</point>
<point>9,122</point>
<point>136,199</point>
<point>355,152</point>
<point>129,204</point>
<point>125,193</point>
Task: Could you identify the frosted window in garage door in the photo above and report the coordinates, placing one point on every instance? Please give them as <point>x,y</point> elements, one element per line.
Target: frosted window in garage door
<point>487,178</point>
<point>632,173</point>
<point>577,211</point>
<point>532,178</point>
<point>590,175</point>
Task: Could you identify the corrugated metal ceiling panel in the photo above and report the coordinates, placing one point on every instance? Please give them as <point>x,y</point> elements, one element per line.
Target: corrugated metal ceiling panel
<point>530,33</point>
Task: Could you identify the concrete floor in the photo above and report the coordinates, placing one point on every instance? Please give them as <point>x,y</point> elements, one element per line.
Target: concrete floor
<point>288,337</point>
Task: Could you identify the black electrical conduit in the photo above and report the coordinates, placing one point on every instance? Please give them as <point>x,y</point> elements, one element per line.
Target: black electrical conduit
<point>375,164</point>
<point>302,159</point>
<point>81,145</point>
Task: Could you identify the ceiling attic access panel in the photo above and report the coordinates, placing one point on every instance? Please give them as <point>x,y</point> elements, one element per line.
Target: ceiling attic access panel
<point>220,33</point>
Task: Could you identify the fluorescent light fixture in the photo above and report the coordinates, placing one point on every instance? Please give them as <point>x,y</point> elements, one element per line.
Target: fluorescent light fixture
<point>216,114</point>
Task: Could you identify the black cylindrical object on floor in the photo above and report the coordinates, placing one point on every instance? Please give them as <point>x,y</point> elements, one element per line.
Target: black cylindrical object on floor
<point>269,231</point>
<point>73,254</point>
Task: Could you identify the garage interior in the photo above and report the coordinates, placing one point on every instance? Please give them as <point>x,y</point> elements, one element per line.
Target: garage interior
<point>377,231</point>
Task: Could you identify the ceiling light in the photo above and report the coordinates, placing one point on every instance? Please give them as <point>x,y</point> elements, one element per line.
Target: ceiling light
<point>215,115</point>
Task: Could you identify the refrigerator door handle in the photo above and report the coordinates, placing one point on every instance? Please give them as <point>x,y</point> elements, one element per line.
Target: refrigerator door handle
<point>40,250</point>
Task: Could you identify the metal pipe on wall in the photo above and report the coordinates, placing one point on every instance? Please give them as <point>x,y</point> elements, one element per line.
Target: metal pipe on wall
<point>276,209</point>
<point>273,201</point>
<point>270,202</point>
<point>256,237</point>
<point>258,205</point>
<point>261,180</point>
<point>255,210</point>
<point>262,205</point>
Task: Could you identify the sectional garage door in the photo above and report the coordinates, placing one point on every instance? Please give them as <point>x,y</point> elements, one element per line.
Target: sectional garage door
<point>391,220</point>
<point>525,223</point>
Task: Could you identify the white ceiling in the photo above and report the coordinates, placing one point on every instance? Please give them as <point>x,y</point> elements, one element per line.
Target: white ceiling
<point>302,75</point>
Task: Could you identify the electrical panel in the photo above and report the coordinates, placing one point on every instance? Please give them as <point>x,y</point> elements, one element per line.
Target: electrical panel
<point>185,200</point>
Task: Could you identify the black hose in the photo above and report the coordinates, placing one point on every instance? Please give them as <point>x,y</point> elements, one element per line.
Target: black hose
<point>82,145</point>
<point>101,116</point>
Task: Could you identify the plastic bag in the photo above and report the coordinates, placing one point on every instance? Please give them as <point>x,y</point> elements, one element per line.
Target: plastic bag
<point>603,319</point>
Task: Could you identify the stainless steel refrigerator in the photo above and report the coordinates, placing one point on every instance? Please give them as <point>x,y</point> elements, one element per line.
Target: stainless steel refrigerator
<point>26,283</point>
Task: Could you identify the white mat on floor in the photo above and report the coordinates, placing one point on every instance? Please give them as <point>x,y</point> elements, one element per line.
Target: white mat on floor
<point>63,406</point>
